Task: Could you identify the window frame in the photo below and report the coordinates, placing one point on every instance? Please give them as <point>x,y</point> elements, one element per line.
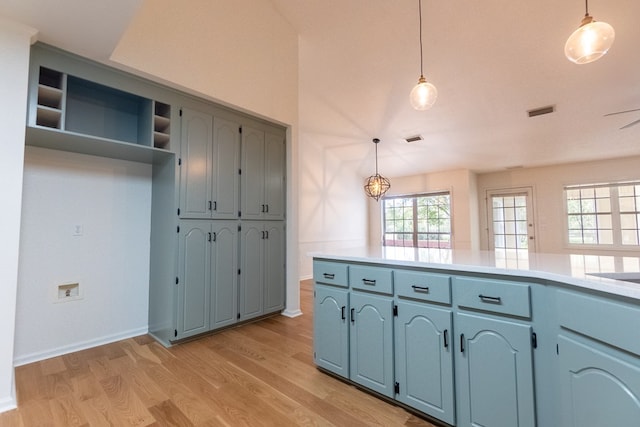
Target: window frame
<point>616,225</point>
<point>415,233</point>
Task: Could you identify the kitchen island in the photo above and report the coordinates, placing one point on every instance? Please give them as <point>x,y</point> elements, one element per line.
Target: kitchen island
<point>468,338</point>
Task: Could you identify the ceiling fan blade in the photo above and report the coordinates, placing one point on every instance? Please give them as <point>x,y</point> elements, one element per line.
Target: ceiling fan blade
<point>630,124</point>
<point>621,112</point>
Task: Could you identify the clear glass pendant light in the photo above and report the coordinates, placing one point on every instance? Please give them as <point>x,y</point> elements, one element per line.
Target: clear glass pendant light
<point>424,94</point>
<point>590,41</point>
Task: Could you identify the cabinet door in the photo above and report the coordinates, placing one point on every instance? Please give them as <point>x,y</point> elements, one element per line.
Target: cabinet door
<point>252,178</point>
<point>494,373</point>
<point>226,166</point>
<point>195,170</point>
<point>597,388</point>
<point>424,359</point>
<point>274,182</point>
<point>224,274</point>
<point>193,284</point>
<point>331,329</point>
<point>274,267</point>
<point>252,270</point>
<point>371,342</point>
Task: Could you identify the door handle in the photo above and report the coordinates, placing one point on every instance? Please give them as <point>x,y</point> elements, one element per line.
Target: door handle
<point>461,343</point>
<point>343,316</point>
<point>353,315</point>
<point>446,338</point>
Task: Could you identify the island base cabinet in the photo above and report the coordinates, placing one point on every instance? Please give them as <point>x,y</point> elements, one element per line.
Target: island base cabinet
<point>494,373</point>
<point>331,329</point>
<point>597,388</point>
<point>371,342</point>
<point>424,359</point>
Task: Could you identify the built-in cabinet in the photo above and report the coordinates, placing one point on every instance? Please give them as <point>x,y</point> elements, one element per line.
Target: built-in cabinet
<point>263,179</point>
<point>466,348</point>
<point>208,269</point>
<point>209,166</point>
<point>262,268</point>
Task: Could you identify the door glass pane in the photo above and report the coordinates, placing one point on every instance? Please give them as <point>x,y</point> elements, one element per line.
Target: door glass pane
<point>510,226</point>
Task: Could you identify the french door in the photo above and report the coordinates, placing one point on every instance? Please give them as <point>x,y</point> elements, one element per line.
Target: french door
<point>511,225</point>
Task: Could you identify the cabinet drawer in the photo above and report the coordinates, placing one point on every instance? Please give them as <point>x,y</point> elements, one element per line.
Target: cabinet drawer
<point>331,273</point>
<point>423,286</point>
<point>372,279</point>
<point>496,296</point>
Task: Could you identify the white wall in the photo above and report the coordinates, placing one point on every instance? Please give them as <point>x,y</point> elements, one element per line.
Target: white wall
<point>239,53</point>
<point>110,200</point>
<point>464,204</point>
<point>548,184</point>
<point>333,207</point>
<point>15,41</point>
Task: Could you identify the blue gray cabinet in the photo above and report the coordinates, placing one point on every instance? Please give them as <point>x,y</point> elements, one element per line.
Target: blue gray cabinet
<point>263,179</point>
<point>331,329</point>
<point>193,282</point>
<point>424,359</point>
<point>262,268</point>
<point>331,317</point>
<point>423,343</point>
<point>494,372</point>
<point>207,276</point>
<point>209,171</point>
<point>599,361</point>
<point>371,342</point>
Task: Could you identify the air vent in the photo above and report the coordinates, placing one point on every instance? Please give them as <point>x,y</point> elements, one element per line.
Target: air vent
<point>415,138</point>
<point>541,111</point>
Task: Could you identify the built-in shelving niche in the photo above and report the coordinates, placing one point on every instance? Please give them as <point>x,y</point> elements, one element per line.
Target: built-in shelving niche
<point>81,107</point>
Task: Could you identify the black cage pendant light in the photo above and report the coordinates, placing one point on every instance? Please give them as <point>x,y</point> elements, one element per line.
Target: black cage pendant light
<point>376,185</point>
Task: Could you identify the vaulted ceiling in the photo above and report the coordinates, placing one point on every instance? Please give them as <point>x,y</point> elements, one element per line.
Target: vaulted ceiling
<point>491,61</point>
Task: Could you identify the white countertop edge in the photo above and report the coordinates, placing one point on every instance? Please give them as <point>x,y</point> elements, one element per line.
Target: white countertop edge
<point>600,284</point>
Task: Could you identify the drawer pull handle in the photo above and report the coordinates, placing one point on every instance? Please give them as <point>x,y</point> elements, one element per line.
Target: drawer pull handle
<point>493,300</point>
<point>446,338</point>
<point>343,316</point>
<point>423,289</point>
<point>329,275</point>
<point>369,282</point>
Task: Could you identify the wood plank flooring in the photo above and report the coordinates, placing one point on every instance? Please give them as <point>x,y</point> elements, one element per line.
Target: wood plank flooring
<point>261,374</point>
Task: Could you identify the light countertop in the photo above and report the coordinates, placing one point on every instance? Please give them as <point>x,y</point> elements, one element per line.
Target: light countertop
<point>616,275</point>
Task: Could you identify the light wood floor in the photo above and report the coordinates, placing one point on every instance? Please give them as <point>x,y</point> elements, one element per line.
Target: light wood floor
<point>260,374</point>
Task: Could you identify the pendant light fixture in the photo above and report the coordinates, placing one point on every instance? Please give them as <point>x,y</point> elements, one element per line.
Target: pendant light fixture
<point>424,94</point>
<point>590,41</point>
<point>376,185</point>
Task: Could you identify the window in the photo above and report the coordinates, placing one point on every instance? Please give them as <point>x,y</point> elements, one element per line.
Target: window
<point>422,221</point>
<point>604,215</point>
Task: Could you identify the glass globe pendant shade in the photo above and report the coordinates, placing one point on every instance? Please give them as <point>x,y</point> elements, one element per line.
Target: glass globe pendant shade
<point>375,186</point>
<point>423,95</point>
<point>589,42</point>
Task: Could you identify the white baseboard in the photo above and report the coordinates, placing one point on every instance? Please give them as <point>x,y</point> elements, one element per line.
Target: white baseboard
<point>10,402</point>
<point>291,313</point>
<point>36,357</point>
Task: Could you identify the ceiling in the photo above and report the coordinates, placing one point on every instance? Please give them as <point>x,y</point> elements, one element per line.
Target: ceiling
<point>491,61</point>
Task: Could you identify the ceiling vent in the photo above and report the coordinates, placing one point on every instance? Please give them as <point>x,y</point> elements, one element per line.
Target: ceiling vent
<point>541,111</point>
<point>415,138</point>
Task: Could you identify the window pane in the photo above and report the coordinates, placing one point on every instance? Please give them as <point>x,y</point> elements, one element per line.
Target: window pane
<point>629,237</point>
<point>626,190</point>
<point>605,237</point>
<point>627,204</point>
<point>603,205</point>
<point>628,221</point>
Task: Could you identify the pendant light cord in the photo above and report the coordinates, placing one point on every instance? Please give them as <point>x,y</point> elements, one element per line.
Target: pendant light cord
<point>586,7</point>
<point>376,143</point>
<point>420,17</point>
